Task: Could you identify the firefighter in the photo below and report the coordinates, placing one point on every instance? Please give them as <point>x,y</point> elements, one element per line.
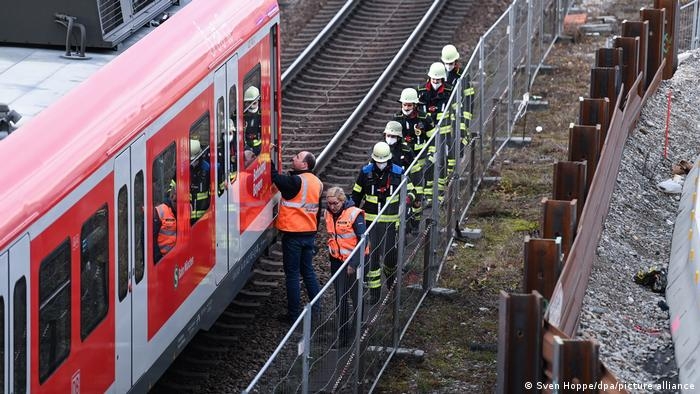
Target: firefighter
<point>251,117</point>
<point>402,155</point>
<point>199,180</point>
<point>374,186</point>
<point>450,58</point>
<point>434,96</point>
<point>415,126</point>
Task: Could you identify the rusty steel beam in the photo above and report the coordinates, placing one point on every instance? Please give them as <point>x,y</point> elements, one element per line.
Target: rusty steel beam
<point>520,318</point>
<point>559,220</point>
<point>543,265</point>
<point>550,354</point>
<point>639,29</point>
<point>593,111</point>
<point>630,60</point>
<point>656,18</point>
<point>570,182</point>
<point>605,82</point>
<point>608,57</point>
<point>585,144</point>
<point>671,31</point>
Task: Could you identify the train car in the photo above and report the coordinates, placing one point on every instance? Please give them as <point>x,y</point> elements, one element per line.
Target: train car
<point>99,288</point>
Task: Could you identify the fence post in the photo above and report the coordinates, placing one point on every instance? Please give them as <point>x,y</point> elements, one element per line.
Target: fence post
<point>671,30</point>
<point>569,182</point>
<point>639,29</point>
<point>595,111</point>
<point>656,36</point>
<point>530,30</point>
<point>307,350</point>
<point>359,318</point>
<point>559,220</point>
<point>400,256</point>
<point>575,361</point>
<point>511,48</point>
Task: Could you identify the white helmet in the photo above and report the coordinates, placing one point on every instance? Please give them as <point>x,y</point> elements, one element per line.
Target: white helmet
<point>195,148</point>
<point>409,95</point>
<point>393,128</point>
<point>437,70</point>
<point>381,152</point>
<point>449,54</point>
<point>251,94</point>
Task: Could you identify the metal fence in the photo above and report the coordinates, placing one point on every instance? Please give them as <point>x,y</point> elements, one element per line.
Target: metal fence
<point>346,336</point>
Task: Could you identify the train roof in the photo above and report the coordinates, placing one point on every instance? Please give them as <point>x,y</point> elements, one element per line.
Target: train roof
<point>49,156</point>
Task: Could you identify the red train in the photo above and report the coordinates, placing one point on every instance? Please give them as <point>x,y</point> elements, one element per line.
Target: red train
<point>88,302</point>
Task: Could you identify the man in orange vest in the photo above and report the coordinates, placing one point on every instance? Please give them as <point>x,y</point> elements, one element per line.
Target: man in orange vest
<point>297,221</point>
<point>165,224</point>
<point>345,224</point>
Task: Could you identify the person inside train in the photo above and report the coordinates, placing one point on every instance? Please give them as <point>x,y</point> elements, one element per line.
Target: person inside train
<point>345,224</point>
<point>297,221</point>
<point>199,180</point>
<point>251,118</point>
<point>165,224</point>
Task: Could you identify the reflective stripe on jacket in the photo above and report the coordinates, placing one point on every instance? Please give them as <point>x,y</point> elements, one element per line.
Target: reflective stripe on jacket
<point>168,228</point>
<point>341,234</point>
<point>299,214</point>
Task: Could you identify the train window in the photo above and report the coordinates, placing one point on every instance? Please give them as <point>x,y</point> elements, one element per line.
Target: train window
<point>139,220</point>
<point>233,138</point>
<point>164,201</point>
<point>227,125</point>
<point>200,178</point>
<point>19,337</point>
<point>220,151</point>
<point>54,310</point>
<point>94,270</point>
<point>251,116</point>
<point>2,341</point>
<point>122,242</point>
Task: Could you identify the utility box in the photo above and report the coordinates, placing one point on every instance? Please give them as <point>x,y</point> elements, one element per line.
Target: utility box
<point>45,22</point>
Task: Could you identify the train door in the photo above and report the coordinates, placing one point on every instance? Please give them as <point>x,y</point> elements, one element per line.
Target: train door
<point>227,201</point>
<point>18,356</point>
<point>130,284</point>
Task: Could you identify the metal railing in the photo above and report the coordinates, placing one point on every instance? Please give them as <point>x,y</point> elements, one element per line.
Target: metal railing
<point>345,338</point>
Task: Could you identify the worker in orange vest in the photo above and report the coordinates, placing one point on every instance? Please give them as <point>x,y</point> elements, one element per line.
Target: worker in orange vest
<point>297,221</point>
<point>345,224</point>
<point>165,224</point>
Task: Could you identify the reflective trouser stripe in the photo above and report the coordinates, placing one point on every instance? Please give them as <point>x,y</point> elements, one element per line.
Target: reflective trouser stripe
<point>370,217</point>
<point>197,214</point>
<point>374,279</point>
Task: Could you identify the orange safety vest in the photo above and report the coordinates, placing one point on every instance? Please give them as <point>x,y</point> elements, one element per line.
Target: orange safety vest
<point>341,236</point>
<point>168,228</point>
<point>298,215</point>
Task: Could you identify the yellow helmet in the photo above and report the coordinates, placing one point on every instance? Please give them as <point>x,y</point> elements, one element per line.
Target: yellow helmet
<point>437,70</point>
<point>381,152</point>
<point>449,54</point>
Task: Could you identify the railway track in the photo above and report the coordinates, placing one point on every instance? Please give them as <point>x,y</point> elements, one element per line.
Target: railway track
<point>321,91</point>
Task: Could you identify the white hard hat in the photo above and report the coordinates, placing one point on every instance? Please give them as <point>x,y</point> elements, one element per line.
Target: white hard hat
<point>393,128</point>
<point>449,54</point>
<point>251,94</point>
<point>437,70</point>
<point>381,152</point>
<point>409,95</point>
<point>195,148</point>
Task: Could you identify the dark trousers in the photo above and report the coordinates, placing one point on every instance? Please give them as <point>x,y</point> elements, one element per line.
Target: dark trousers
<point>345,286</point>
<point>297,257</point>
<point>382,240</point>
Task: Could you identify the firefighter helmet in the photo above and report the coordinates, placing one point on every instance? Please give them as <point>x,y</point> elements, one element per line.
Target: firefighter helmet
<point>381,152</point>
<point>437,70</point>
<point>195,148</point>
<point>449,54</point>
<point>251,94</point>
<point>409,95</point>
<point>393,128</point>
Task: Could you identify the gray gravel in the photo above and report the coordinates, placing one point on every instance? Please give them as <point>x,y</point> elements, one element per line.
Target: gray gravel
<point>624,317</point>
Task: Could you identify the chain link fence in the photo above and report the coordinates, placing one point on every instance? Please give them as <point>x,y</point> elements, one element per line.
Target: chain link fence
<point>346,336</point>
